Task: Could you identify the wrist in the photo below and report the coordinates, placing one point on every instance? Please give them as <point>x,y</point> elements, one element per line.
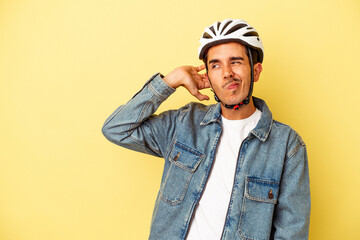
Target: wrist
<point>170,80</point>
<point>161,76</point>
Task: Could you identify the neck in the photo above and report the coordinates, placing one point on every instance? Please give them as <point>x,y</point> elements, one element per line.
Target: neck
<point>242,113</point>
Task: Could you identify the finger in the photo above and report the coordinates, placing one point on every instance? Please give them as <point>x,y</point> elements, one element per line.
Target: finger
<point>198,77</point>
<point>200,96</point>
<point>195,92</point>
<point>204,77</point>
<point>207,84</point>
<point>200,68</point>
<point>205,80</point>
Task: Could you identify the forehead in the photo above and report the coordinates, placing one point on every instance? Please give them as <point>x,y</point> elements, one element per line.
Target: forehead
<point>226,50</point>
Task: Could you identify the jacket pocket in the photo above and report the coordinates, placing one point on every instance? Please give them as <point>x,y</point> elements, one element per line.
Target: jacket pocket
<point>184,160</point>
<point>261,195</point>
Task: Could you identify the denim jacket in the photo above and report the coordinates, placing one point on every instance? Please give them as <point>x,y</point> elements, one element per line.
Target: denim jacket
<point>270,198</point>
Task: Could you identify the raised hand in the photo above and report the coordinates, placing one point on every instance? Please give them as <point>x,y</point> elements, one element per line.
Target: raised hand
<point>190,78</point>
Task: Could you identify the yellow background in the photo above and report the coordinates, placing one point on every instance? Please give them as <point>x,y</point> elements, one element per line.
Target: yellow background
<point>66,65</point>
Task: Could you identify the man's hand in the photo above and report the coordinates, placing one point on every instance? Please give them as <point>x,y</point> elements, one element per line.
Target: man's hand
<point>189,77</point>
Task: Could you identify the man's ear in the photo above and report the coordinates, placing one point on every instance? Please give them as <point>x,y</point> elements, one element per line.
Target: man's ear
<point>257,71</point>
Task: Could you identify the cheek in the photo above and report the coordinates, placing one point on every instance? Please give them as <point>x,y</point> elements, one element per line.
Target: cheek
<point>212,76</point>
<point>215,81</point>
<point>243,75</point>
<point>241,71</point>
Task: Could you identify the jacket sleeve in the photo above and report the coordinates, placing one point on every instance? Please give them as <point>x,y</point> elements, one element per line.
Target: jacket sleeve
<point>292,213</point>
<point>134,125</point>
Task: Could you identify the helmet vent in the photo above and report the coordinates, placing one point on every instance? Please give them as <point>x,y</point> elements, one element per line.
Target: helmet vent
<point>206,35</point>
<point>227,24</point>
<point>251,34</point>
<point>218,25</point>
<point>235,28</point>
<point>212,29</point>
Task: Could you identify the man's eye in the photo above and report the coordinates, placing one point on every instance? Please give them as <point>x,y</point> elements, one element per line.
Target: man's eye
<point>215,66</point>
<point>237,62</point>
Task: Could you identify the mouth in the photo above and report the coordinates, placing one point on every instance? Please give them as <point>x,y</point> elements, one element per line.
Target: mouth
<point>232,85</point>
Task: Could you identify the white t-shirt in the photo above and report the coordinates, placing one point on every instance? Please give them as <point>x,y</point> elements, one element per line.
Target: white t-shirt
<point>209,218</point>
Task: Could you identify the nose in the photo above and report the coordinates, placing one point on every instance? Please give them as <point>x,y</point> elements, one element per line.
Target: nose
<point>227,73</point>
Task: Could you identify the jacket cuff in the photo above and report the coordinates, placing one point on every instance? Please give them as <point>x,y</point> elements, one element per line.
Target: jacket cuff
<point>159,87</point>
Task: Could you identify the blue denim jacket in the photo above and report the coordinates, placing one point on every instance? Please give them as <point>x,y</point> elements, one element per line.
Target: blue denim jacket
<point>271,195</point>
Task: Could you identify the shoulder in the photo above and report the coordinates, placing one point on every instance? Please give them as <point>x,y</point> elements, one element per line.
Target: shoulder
<point>198,107</point>
<point>284,128</point>
<point>195,109</point>
<point>286,134</point>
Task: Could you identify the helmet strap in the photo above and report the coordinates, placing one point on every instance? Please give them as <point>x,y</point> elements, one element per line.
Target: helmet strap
<point>247,99</point>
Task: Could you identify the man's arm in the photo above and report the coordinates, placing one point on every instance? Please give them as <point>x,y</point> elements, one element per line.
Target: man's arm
<point>134,124</point>
<point>292,213</point>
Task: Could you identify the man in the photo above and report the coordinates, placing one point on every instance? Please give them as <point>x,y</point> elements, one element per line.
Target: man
<point>231,171</point>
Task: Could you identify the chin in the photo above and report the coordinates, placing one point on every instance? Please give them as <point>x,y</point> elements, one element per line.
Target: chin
<point>235,101</point>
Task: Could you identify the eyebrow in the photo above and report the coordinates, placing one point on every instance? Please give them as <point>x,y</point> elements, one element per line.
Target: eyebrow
<point>213,61</point>
<point>231,59</point>
<point>237,58</point>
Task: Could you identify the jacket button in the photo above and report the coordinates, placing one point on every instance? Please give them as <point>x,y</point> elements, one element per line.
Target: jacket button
<point>271,195</point>
<point>177,157</point>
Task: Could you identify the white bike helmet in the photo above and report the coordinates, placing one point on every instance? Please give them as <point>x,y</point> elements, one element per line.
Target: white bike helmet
<point>231,30</point>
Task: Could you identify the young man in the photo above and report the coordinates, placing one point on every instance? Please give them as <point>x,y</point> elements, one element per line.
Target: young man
<point>231,171</point>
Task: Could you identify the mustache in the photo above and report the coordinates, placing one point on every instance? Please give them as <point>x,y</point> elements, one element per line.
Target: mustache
<point>234,80</point>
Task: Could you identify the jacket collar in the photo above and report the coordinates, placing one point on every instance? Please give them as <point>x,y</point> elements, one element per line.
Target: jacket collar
<point>212,115</point>
<point>262,129</point>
